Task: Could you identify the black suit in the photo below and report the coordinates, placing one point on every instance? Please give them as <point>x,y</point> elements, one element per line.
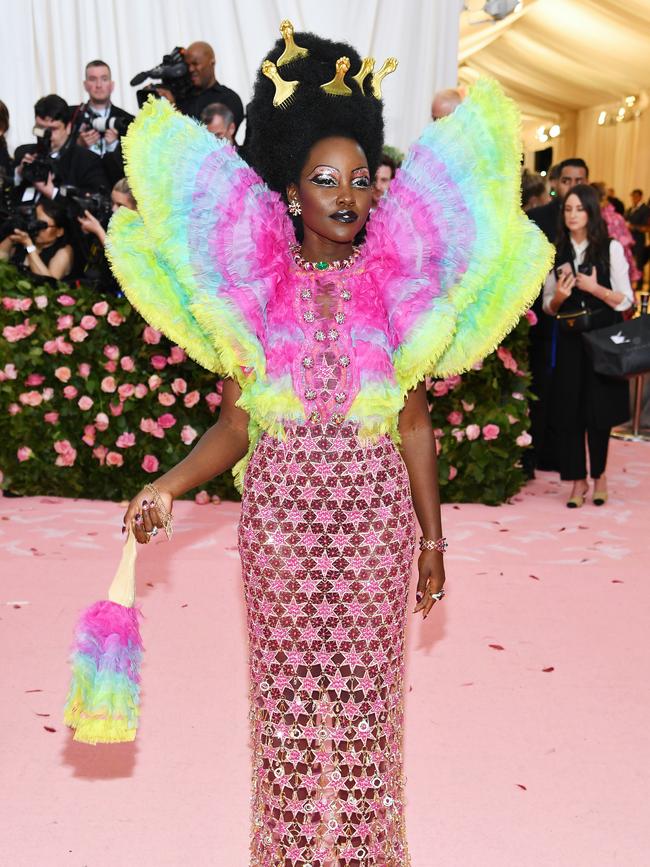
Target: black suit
<point>547,218</point>
<point>113,162</point>
<point>194,104</point>
<point>76,167</point>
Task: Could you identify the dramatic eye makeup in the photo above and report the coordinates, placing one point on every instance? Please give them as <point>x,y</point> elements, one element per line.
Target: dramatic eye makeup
<point>328,176</point>
<point>361,178</point>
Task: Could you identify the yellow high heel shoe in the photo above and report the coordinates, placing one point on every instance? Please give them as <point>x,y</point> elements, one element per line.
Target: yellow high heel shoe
<point>600,498</point>
<point>577,501</point>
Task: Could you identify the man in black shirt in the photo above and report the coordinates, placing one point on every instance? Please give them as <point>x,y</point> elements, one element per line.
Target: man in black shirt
<point>200,61</point>
<point>638,218</point>
<point>70,164</point>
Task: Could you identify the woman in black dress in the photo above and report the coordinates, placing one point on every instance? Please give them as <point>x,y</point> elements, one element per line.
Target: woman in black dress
<point>590,281</point>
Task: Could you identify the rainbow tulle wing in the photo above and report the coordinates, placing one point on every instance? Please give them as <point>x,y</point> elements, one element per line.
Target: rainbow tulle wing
<point>197,258</point>
<point>456,259</point>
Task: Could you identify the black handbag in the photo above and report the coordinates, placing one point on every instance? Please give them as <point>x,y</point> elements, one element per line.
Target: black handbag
<point>579,319</point>
<point>621,350</point>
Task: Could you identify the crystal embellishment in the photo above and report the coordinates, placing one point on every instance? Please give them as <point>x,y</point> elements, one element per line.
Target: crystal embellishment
<point>308,316</point>
<point>310,393</point>
<point>339,317</point>
<point>340,396</point>
<point>346,294</point>
<point>305,294</point>
<point>344,361</point>
<point>333,334</point>
<point>319,335</point>
<point>307,361</point>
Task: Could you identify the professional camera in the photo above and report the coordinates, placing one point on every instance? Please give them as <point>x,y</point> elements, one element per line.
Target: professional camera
<point>20,217</point>
<point>40,168</point>
<point>88,118</point>
<point>172,74</point>
<point>78,202</point>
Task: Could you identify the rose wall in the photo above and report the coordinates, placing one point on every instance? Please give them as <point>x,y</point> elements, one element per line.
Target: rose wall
<point>94,402</point>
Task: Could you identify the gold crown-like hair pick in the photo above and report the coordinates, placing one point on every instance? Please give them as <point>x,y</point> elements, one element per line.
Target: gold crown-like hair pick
<point>291,50</point>
<point>367,66</point>
<point>337,86</point>
<point>284,90</point>
<point>390,65</point>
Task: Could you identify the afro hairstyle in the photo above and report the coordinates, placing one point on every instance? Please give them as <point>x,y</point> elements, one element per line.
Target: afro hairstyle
<point>279,139</point>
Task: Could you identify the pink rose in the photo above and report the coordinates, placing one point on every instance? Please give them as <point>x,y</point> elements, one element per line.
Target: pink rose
<point>202,498</point>
<point>216,499</point>
<point>100,308</point>
<point>9,303</point>
<point>440,388</point>
<point>24,453</point>
<point>455,417</point>
<point>100,453</point>
<point>213,400</point>
<point>63,346</point>
<point>147,425</point>
<point>110,366</point>
<point>179,386</point>
<point>517,395</point>
<point>151,336</point>
<point>524,439</point>
<point>111,352</point>
<point>116,408</point>
<point>50,347</point>
<point>506,358</point>
<point>166,420</point>
<point>453,472</point>
<point>531,316</point>
<point>438,433</point>
<point>14,409</point>
<point>24,304</point>
<point>108,384</point>
<point>31,398</point>
<point>84,403</point>
<point>66,300</point>
<point>63,374</point>
<point>10,371</point>
<point>166,398</point>
<point>114,318</point>
<point>51,417</point>
<point>191,398</point>
<point>176,355</point>
<point>114,459</point>
<point>66,453</point>
<point>101,421</point>
<point>65,321</point>
<point>125,440</point>
<point>83,370</point>
<point>88,322</point>
<point>48,393</point>
<point>491,431</point>
<point>126,390</point>
<point>512,419</point>
<point>35,379</point>
<point>89,435</point>
<point>453,381</point>
<point>70,392</point>
<point>154,381</point>
<point>158,362</point>
<point>468,407</point>
<point>438,447</point>
<point>14,333</point>
<point>150,463</point>
<point>188,434</point>
<point>459,435</point>
<point>127,363</point>
<point>477,365</point>
<point>473,431</point>
<point>141,390</point>
<point>41,301</point>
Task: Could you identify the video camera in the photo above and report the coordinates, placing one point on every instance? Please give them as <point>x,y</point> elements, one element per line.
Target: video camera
<point>172,74</point>
<point>100,206</point>
<point>40,168</point>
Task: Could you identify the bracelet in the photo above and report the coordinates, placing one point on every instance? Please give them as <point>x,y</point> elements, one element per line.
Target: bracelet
<point>165,516</point>
<point>433,544</point>
<point>30,249</point>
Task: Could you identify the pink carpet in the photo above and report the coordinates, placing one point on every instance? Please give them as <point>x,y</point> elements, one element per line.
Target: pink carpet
<point>527,739</point>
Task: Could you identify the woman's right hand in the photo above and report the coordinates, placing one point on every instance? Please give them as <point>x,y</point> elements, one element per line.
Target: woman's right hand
<point>142,515</point>
<point>565,283</point>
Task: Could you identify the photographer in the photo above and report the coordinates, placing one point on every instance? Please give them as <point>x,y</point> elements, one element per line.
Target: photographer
<point>41,169</point>
<point>5,160</point>
<point>100,123</point>
<point>200,60</point>
<point>219,120</point>
<point>43,246</point>
<point>121,197</point>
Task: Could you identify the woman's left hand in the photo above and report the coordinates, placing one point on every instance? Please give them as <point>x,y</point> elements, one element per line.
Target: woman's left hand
<point>20,237</point>
<point>587,282</point>
<point>431,570</point>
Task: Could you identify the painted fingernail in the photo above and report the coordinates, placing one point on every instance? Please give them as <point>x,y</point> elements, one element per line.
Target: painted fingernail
<point>123,528</point>
<point>145,504</point>
<point>418,597</point>
<point>138,518</point>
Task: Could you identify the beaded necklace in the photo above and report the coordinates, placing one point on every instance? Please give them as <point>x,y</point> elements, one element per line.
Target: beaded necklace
<point>337,265</point>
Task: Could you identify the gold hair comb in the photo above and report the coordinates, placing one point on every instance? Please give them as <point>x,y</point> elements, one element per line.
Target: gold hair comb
<point>291,50</point>
<point>337,86</point>
<point>284,90</point>
<point>367,66</point>
<point>390,65</point>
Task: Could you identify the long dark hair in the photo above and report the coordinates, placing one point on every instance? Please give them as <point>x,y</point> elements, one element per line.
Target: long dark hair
<point>597,252</point>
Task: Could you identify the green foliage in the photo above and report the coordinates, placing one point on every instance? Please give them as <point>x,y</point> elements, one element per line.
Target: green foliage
<point>68,450</point>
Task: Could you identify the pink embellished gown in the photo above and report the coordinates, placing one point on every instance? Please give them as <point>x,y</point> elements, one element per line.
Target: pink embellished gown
<point>326,540</point>
<point>324,361</point>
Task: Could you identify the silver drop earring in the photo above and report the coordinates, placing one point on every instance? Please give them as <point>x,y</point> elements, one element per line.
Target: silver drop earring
<point>294,208</point>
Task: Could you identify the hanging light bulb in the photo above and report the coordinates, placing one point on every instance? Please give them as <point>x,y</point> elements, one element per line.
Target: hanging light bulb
<point>555,130</point>
<point>602,117</point>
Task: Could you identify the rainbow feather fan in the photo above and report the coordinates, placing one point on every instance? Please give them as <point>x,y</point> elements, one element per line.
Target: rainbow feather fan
<point>103,705</point>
